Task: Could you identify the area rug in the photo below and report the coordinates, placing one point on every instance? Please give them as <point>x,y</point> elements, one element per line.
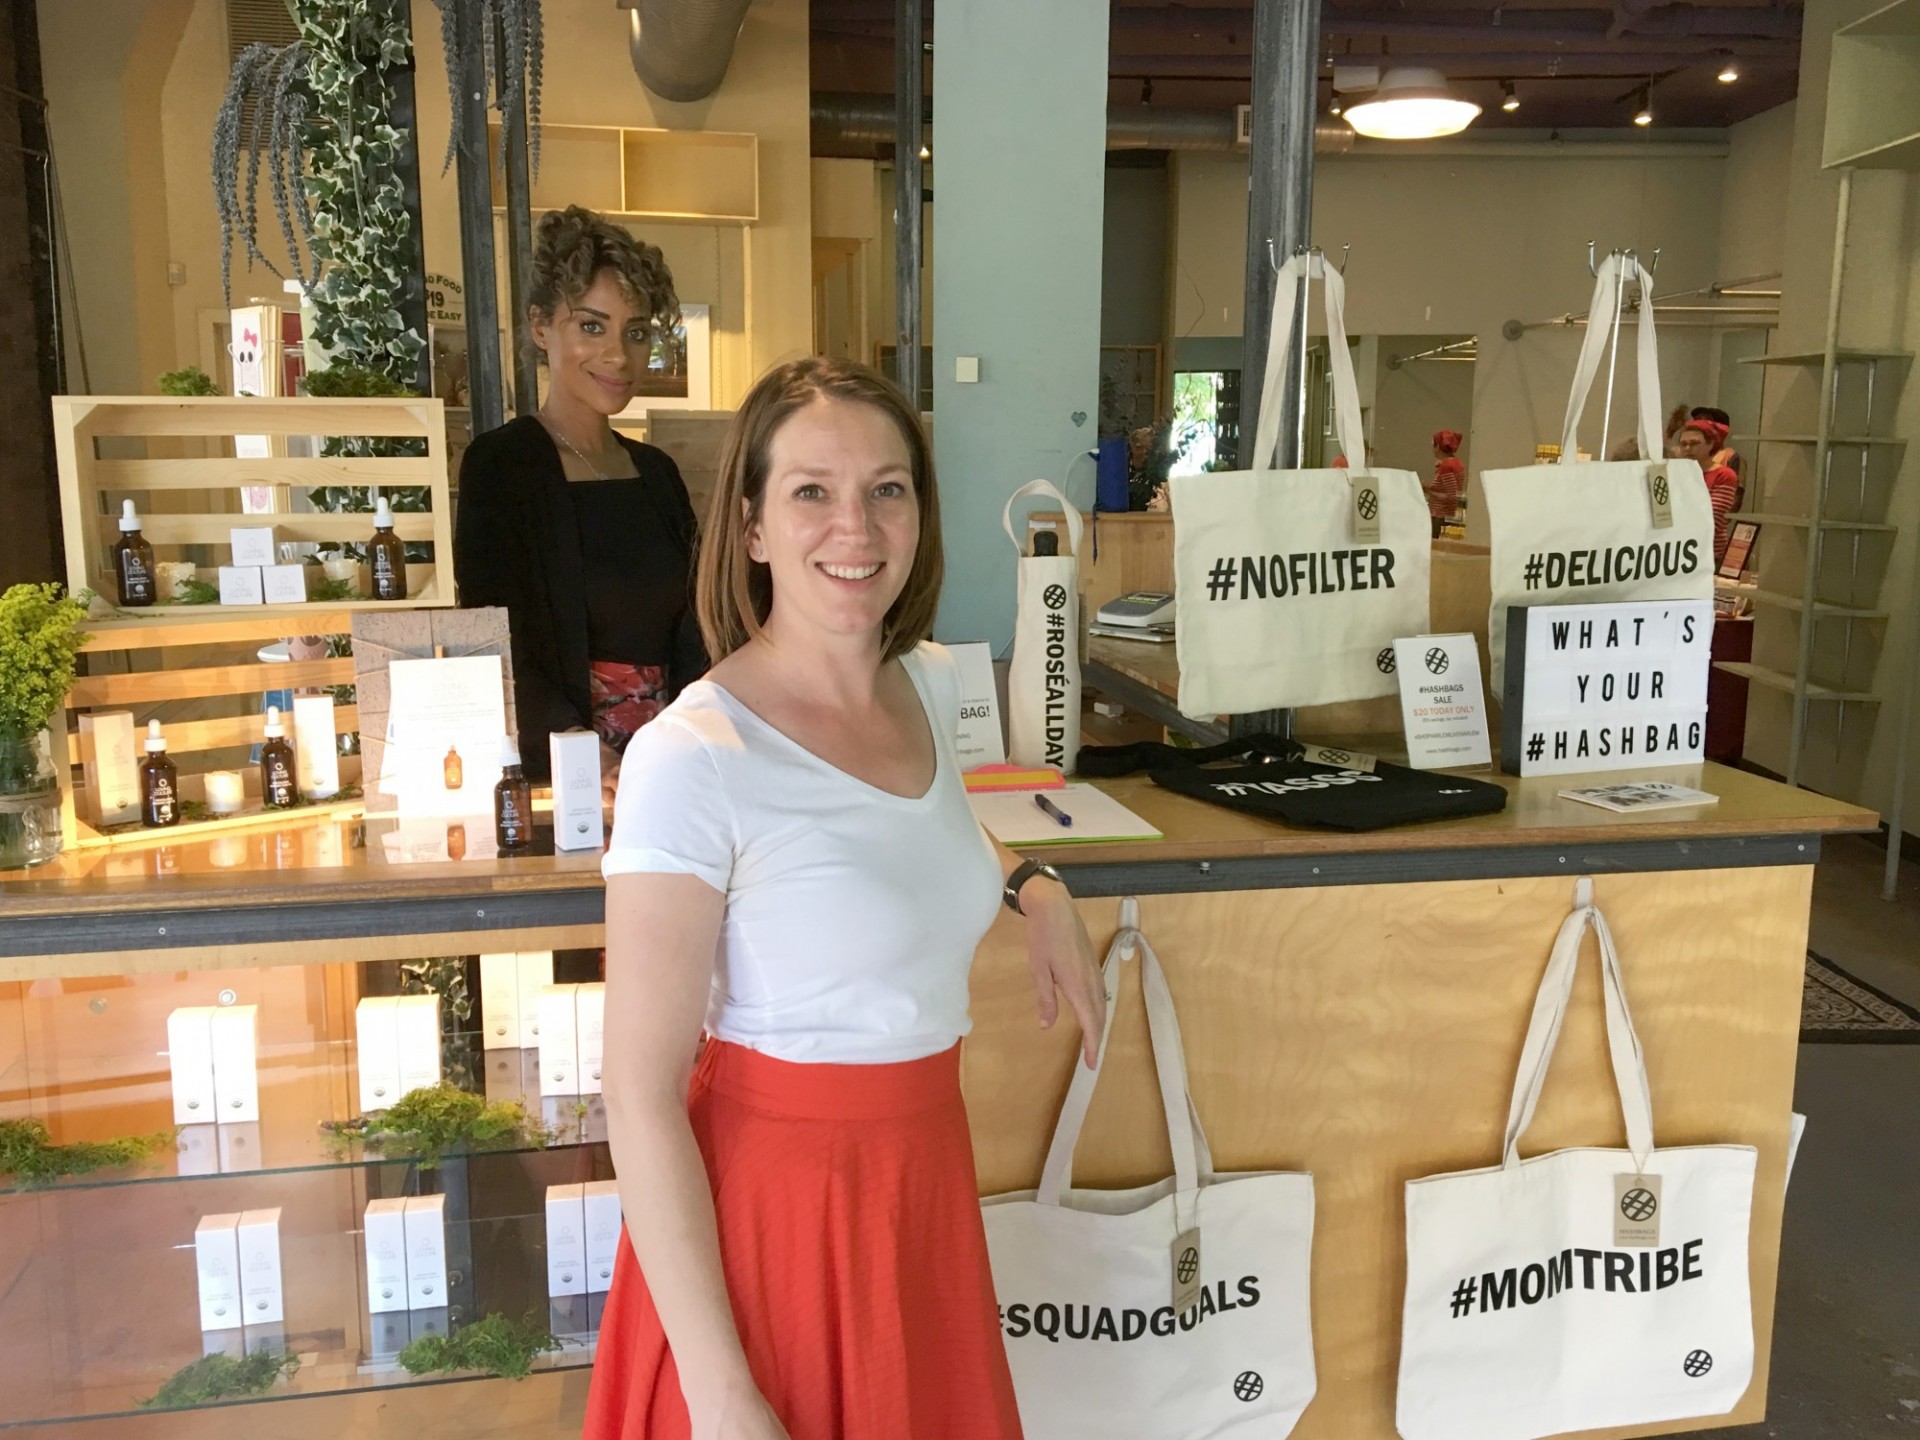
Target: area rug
<point>1838,1008</point>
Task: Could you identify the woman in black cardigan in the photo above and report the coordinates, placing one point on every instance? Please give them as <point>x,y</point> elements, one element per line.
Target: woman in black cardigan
<point>586,537</point>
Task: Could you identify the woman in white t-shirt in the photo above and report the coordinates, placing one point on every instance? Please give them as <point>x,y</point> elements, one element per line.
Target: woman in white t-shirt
<point>794,868</point>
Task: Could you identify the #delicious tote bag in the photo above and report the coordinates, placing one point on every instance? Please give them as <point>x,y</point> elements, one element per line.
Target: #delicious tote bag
<point>1582,1288</point>
<point>1586,532</point>
<point>1179,1311</point>
<point>1292,585</point>
<point>1043,679</point>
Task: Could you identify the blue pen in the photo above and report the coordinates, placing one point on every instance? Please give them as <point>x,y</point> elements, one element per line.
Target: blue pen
<point>1052,809</point>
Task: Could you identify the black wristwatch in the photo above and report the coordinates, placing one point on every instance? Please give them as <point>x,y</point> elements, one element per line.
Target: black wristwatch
<point>1023,872</point>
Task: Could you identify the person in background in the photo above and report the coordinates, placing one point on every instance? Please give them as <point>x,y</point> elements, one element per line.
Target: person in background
<point>1149,460</point>
<point>1699,440</point>
<point>586,537</point>
<point>1726,455</point>
<point>1449,477</point>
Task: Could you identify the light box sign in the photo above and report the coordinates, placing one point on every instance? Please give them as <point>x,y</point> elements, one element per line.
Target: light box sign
<point>1605,687</point>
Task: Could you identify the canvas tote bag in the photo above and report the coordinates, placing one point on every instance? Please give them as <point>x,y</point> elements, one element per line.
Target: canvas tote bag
<point>1291,586</point>
<point>1582,1288</point>
<point>1086,1278</point>
<point>1043,680</point>
<point>1587,532</point>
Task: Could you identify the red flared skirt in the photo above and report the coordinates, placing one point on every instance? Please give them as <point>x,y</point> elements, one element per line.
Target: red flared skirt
<point>854,1254</point>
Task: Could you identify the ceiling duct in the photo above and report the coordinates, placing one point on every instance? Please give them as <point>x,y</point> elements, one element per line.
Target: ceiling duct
<point>681,48</point>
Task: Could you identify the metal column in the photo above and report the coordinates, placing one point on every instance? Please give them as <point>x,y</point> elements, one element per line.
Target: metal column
<point>909,97</point>
<point>413,288</point>
<point>475,181</point>
<point>513,164</point>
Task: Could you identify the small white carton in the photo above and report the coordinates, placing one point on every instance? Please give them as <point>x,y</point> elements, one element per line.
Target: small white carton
<point>576,790</point>
<point>559,1041</point>
<point>500,1002</point>
<point>417,1038</point>
<point>236,1076</point>
<point>284,584</point>
<point>253,545</point>
<point>316,748</point>
<point>426,1224</point>
<point>566,1240</point>
<point>216,1259</point>
<point>258,1239</point>
<point>109,758</point>
<point>242,585</point>
<point>590,1026</point>
<point>383,1231</point>
<point>536,973</point>
<point>601,1206</point>
<point>375,1024</point>
<point>190,1061</point>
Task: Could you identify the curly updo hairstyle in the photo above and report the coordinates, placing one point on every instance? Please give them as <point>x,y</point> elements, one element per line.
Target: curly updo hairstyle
<point>574,245</point>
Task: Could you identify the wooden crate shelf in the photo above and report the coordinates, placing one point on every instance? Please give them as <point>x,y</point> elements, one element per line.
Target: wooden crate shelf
<point>193,501</point>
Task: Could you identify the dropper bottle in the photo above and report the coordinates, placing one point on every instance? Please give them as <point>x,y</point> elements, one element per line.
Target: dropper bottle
<point>159,783</point>
<point>278,788</point>
<point>133,561</point>
<point>387,555</point>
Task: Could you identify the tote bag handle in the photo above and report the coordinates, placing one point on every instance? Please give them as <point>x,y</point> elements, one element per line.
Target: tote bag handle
<point>1034,488</point>
<point>1346,390</point>
<point>1192,1159</point>
<point>1543,1034</point>
<point>1614,273</point>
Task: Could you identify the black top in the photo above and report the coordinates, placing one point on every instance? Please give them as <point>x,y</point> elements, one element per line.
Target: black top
<point>518,543</point>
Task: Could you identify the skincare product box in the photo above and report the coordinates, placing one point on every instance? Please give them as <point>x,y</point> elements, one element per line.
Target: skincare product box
<point>253,545</point>
<point>196,1149</point>
<point>500,1002</point>
<point>284,584</point>
<point>258,1239</point>
<point>566,1240</point>
<point>422,1324</point>
<point>110,761</point>
<point>576,790</point>
<point>190,1059</point>
<point>513,1077</point>
<point>316,748</point>
<point>399,1044</point>
<point>417,1033</point>
<point>387,1336</point>
<point>536,973</point>
<point>216,1258</point>
<point>239,1147</point>
<point>383,1229</point>
<point>601,1205</point>
<point>242,585</point>
<point>236,1079</point>
<point>590,1025</point>
<point>426,1226</point>
<point>559,1041</point>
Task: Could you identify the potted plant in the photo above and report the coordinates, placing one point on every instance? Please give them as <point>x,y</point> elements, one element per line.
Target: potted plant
<point>40,635</point>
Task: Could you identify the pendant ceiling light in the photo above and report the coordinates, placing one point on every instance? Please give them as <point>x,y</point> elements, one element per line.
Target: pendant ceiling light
<point>1411,104</point>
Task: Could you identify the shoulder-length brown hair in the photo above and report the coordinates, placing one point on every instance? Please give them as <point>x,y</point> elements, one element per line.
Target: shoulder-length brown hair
<point>733,593</point>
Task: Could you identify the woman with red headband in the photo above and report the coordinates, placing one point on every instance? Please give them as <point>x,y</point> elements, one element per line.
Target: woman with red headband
<point>1449,476</point>
<point>1698,440</point>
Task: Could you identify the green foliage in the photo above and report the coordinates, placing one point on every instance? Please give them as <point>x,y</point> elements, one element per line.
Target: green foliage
<point>190,381</point>
<point>221,1377</point>
<point>28,1154</point>
<point>270,82</point>
<point>495,1346</point>
<point>518,22</point>
<point>195,591</point>
<point>40,635</point>
<point>345,379</point>
<point>331,590</point>
<point>437,1120</point>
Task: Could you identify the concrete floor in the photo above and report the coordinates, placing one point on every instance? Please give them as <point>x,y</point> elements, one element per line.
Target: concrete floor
<point>1846,1344</point>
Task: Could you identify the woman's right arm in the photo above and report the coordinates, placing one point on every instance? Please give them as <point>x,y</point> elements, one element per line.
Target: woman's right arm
<point>662,931</point>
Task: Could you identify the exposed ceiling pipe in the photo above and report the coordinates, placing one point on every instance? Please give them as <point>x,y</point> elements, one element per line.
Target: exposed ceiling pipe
<point>680,49</point>
<point>1458,64</point>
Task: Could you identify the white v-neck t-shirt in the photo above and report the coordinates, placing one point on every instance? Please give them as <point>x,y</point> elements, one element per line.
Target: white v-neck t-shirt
<point>852,913</point>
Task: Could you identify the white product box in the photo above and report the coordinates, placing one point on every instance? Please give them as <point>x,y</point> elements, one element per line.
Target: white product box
<point>566,1240</point>
<point>559,1041</point>
<point>536,973</point>
<point>190,1059</point>
<point>417,1036</point>
<point>590,1025</point>
<point>316,748</point>
<point>387,1336</point>
<point>110,762</point>
<point>196,1150</point>
<point>601,1205</point>
<point>239,1147</point>
<point>426,1222</point>
<point>376,1027</point>
<point>383,1232</point>
<point>422,1323</point>
<point>216,1258</point>
<point>236,1076</point>
<point>500,1002</point>
<point>253,545</point>
<point>513,1077</point>
<point>576,790</point>
<point>258,1239</point>
<point>242,585</point>
<point>284,584</point>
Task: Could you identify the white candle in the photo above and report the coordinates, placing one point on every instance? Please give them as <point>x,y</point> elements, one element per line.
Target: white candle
<point>226,792</point>
<point>341,569</point>
<point>172,575</point>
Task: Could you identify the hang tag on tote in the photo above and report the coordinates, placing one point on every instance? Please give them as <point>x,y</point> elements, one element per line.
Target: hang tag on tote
<point>1341,759</point>
<point>1364,491</point>
<point>1660,497</point>
<point>1186,1270</point>
<point>1636,1211</point>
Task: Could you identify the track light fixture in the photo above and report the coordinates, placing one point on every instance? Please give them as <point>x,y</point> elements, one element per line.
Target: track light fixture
<point>1334,107</point>
<point>1643,116</point>
<point>1509,101</point>
<point>1729,71</point>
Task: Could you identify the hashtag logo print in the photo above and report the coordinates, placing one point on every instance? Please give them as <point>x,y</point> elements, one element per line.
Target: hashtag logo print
<point>1368,504</point>
<point>1464,1294</point>
<point>1660,495</point>
<point>1536,746</point>
<point>1385,661</point>
<point>1220,580</point>
<point>1532,572</point>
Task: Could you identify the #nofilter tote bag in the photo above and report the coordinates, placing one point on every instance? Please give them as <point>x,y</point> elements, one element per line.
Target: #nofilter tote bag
<point>1582,1288</point>
<point>1043,679</point>
<point>1292,585</point>
<point>1586,532</point>
<point>1088,1279</point>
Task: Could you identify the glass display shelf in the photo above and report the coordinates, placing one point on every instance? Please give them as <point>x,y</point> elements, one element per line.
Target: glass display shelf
<point>101,1305</point>
<point>302,1087</point>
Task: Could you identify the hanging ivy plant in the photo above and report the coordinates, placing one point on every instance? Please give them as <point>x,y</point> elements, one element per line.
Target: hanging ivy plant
<point>516,73</point>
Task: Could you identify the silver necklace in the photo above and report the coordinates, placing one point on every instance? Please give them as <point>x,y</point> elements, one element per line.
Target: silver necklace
<point>554,431</point>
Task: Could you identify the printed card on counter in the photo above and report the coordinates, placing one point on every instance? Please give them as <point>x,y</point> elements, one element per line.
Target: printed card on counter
<point>1442,702</point>
<point>445,724</point>
<point>979,741</point>
<point>1635,795</point>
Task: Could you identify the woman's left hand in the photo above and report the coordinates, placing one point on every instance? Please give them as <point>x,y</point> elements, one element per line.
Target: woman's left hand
<point>1060,955</point>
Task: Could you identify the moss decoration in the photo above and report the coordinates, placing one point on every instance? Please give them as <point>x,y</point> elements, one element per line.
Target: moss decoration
<point>221,1377</point>
<point>493,1346</point>
<point>435,1121</point>
<point>28,1154</point>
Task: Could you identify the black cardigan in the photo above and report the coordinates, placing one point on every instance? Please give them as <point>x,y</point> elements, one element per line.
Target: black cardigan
<point>517,544</point>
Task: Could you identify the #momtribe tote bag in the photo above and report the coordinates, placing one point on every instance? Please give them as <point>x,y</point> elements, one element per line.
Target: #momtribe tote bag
<point>1043,680</point>
<point>1585,532</point>
<point>1292,585</point>
<point>1583,1288</point>
<point>1178,1311</point>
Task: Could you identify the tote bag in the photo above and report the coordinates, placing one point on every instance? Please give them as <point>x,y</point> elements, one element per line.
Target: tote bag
<point>1582,1288</point>
<point>1043,681</point>
<point>1586,532</point>
<point>1086,1278</point>
<point>1291,586</point>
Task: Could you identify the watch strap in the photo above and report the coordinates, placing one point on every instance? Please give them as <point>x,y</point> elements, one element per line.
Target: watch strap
<point>1023,872</point>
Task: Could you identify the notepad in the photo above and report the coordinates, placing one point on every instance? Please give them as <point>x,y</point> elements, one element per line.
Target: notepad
<point>1013,819</point>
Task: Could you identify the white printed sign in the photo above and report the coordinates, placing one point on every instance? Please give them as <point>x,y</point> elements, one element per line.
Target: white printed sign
<point>1441,701</point>
<point>979,741</point>
<point>1605,687</point>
